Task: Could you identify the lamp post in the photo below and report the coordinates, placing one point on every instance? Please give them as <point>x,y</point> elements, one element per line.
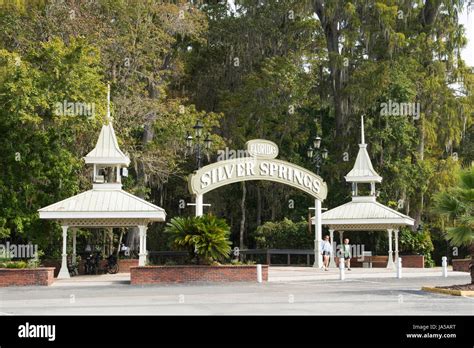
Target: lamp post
<point>199,144</point>
<point>316,154</point>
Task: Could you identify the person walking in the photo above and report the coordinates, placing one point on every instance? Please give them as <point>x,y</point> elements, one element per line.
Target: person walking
<point>346,253</point>
<point>326,249</point>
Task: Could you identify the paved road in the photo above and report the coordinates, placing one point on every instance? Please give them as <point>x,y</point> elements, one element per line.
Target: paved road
<point>356,296</point>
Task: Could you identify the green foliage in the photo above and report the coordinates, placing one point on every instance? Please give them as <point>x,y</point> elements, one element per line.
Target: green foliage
<point>260,70</point>
<point>204,236</point>
<point>417,243</point>
<point>15,264</point>
<point>40,158</point>
<point>284,234</point>
<point>240,263</point>
<point>456,204</point>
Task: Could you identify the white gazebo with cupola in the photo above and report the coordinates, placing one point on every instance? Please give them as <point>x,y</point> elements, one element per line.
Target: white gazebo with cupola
<point>106,205</point>
<point>364,213</point>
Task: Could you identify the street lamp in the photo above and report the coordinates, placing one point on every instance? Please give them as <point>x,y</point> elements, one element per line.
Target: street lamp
<point>199,145</point>
<point>189,141</point>
<point>198,128</point>
<point>316,154</point>
<point>317,142</point>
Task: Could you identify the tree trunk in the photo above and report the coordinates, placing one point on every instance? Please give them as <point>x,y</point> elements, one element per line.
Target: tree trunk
<point>111,242</point>
<point>119,242</point>
<point>330,24</point>
<point>242,221</point>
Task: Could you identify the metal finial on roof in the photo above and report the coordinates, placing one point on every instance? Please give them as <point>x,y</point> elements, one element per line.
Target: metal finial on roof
<point>362,139</point>
<point>363,171</point>
<point>107,150</point>
<point>108,104</point>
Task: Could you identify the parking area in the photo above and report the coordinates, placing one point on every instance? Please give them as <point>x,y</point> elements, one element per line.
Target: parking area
<point>291,290</point>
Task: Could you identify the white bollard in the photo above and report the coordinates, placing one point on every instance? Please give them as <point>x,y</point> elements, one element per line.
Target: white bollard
<point>444,263</point>
<point>259,273</point>
<point>399,268</point>
<point>342,275</point>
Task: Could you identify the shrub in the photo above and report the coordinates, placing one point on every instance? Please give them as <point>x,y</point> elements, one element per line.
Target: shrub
<point>417,243</point>
<point>17,264</point>
<point>205,237</point>
<point>240,263</point>
<point>284,234</point>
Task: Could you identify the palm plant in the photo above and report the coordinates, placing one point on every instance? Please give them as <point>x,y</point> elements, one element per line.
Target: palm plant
<point>457,205</point>
<point>206,237</point>
<point>182,229</point>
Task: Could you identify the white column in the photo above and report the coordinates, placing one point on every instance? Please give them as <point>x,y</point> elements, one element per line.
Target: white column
<point>341,269</point>
<point>318,235</point>
<point>119,178</point>
<point>199,205</point>
<point>390,263</point>
<point>74,246</point>
<point>142,252</point>
<point>64,272</point>
<point>145,249</point>
<point>444,264</point>
<point>104,235</point>
<point>332,261</point>
<point>396,246</point>
<point>111,241</point>
<point>259,273</point>
<point>341,238</point>
<point>399,268</point>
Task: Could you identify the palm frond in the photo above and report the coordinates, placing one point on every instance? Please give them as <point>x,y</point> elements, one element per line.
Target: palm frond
<point>460,235</point>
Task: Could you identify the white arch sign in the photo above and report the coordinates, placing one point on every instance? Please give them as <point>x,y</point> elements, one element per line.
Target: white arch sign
<point>260,164</point>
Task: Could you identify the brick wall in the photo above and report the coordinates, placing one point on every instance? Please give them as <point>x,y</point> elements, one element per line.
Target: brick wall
<point>380,261</point>
<point>183,274</point>
<point>126,264</point>
<point>461,265</point>
<point>26,276</point>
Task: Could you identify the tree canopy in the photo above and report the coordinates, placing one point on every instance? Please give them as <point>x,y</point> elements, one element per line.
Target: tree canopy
<point>285,71</point>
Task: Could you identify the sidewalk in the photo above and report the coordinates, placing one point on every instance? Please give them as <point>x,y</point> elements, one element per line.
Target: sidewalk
<point>93,280</point>
<point>291,274</point>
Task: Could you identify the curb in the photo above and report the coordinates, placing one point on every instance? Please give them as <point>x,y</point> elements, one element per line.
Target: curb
<point>448,292</point>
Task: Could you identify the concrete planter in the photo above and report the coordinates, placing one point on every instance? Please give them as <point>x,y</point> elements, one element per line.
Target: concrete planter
<point>461,265</point>
<point>41,276</point>
<point>189,273</point>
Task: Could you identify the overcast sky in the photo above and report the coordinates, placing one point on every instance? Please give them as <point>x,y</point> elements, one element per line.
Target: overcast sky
<point>467,19</point>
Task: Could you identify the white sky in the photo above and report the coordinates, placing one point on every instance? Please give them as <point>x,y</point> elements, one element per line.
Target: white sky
<point>467,19</point>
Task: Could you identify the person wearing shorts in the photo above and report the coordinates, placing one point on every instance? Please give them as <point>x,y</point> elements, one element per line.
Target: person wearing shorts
<point>326,249</point>
<point>346,250</point>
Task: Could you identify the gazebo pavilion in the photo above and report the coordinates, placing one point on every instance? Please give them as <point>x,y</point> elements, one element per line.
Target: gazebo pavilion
<point>106,205</point>
<point>364,213</point>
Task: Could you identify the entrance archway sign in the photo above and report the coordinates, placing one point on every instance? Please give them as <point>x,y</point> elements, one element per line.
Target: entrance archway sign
<point>260,165</point>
